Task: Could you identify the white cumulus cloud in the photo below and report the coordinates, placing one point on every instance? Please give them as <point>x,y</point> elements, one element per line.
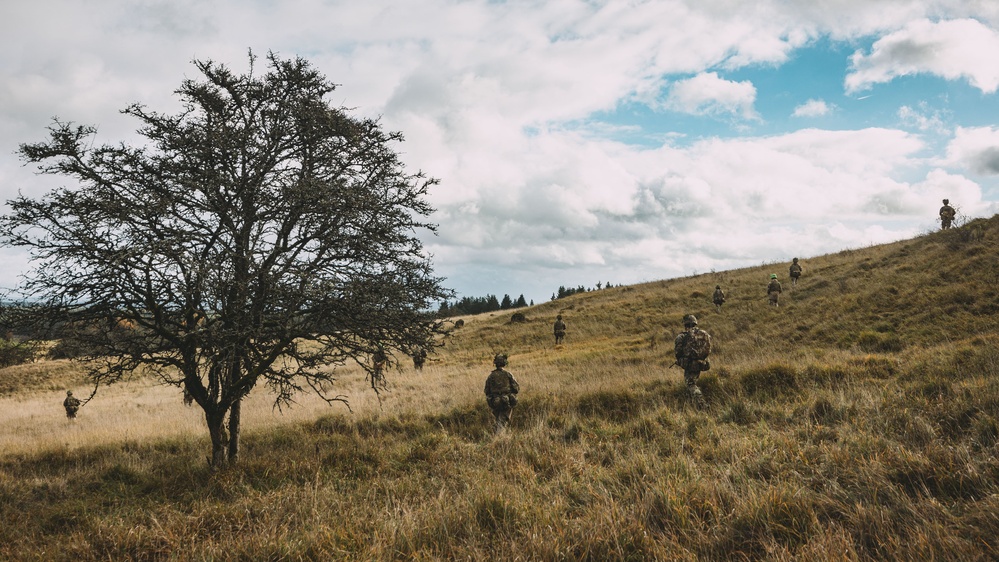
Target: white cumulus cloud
<point>975,149</point>
<point>953,49</point>
<point>812,108</point>
<point>709,94</point>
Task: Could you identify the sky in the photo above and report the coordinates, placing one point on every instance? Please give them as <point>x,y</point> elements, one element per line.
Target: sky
<point>578,142</point>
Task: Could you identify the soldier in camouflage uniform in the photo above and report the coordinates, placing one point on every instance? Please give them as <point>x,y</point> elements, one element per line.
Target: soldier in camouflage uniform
<point>947,214</point>
<point>501,392</point>
<point>794,271</point>
<point>419,358</point>
<point>72,405</point>
<point>718,298</point>
<point>691,349</point>
<point>773,290</point>
<point>379,360</point>
<point>559,328</point>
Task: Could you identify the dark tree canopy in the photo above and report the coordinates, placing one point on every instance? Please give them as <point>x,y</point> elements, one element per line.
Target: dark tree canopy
<point>259,235</point>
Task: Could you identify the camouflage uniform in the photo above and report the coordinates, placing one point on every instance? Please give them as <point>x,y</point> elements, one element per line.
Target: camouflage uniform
<point>72,405</point>
<point>559,329</point>
<point>947,214</point>
<point>691,348</point>
<point>419,358</point>
<point>773,290</point>
<point>795,271</point>
<point>380,360</point>
<point>501,392</point>
<point>719,297</point>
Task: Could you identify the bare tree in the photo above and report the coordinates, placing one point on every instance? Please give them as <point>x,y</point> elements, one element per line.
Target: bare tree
<point>260,235</point>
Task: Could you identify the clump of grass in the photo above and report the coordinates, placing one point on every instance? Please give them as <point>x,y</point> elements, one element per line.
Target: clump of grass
<point>770,380</point>
<point>617,405</point>
<point>877,342</point>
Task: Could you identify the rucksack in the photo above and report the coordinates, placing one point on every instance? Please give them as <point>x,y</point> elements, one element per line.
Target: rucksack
<point>693,345</point>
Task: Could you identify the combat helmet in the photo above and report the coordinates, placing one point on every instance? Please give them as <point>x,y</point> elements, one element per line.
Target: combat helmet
<point>689,320</point>
<point>773,276</point>
<point>499,360</point>
<point>946,201</point>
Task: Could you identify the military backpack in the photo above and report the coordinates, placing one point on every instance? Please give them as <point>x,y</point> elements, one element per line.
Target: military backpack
<point>692,349</point>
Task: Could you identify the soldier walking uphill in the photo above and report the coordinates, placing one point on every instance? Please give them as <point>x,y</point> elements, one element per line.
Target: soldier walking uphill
<point>947,214</point>
<point>691,349</point>
<point>72,405</point>
<point>773,290</point>
<point>419,358</point>
<point>718,298</point>
<point>501,392</point>
<point>795,271</point>
<point>559,328</point>
<point>379,360</point>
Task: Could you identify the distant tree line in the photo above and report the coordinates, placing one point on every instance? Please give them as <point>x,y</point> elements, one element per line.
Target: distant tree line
<point>478,305</point>
<point>566,292</point>
<point>490,303</point>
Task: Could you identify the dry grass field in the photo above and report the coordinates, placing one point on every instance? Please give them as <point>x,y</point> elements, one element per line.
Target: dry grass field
<point>857,421</point>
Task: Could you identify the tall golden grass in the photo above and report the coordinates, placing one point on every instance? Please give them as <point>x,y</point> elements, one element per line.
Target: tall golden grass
<point>857,421</point>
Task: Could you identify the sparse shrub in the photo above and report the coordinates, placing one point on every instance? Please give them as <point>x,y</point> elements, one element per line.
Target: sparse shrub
<point>985,431</point>
<point>934,388</point>
<point>960,296</point>
<point>614,405</point>
<point>67,348</point>
<point>826,374</point>
<point>572,433</point>
<point>16,353</point>
<point>739,413</point>
<point>823,412</point>
<point>875,342</point>
<point>495,515</point>
<point>332,425</point>
<point>876,367</point>
<point>784,516</point>
<point>770,380</point>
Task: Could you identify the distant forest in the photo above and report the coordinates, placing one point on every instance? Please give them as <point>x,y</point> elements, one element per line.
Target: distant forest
<point>490,303</point>
<point>478,305</point>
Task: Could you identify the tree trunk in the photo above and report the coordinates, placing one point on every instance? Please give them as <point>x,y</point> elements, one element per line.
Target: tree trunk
<point>234,432</point>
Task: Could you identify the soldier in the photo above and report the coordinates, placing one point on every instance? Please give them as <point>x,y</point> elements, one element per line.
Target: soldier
<point>559,329</point>
<point>795,271</point>
<point>380,360</point>
<point>691,348</point>
<point>947,214</point>
<point>501,392</point>
<point>72,405</point>
<point>188,397</point>
<point>773,290</point>
<point>419,358</point>
<point>718,298</point>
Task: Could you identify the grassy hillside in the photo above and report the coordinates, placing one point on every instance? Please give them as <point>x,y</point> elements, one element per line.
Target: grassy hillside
<point>857,421</point>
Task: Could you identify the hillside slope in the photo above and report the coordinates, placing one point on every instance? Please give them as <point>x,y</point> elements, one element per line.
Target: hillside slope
<point>909,299</point>
<point>857,421</point>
